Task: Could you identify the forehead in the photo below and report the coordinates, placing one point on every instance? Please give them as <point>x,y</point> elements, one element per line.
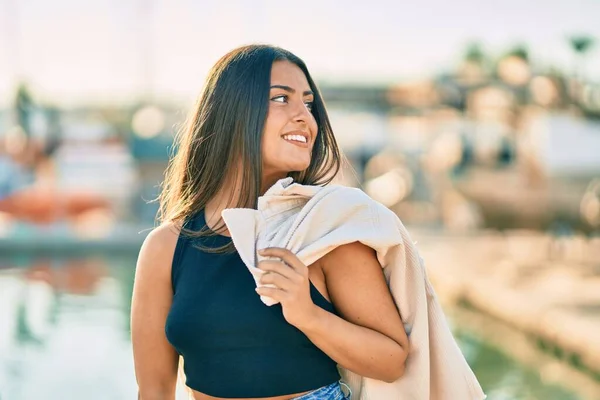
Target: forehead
<point>287,73</point>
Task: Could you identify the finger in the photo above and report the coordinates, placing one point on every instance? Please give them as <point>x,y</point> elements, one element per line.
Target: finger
<point>274,293</point>
<point>290,258</point>
<point>278,267</point>
<point>278,280</point>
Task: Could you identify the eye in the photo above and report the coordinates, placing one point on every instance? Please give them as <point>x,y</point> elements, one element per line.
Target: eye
<point>309,105</point>
<point>280,99</point>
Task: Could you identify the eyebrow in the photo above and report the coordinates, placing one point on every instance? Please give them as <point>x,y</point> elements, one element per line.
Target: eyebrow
<point>291,90</point>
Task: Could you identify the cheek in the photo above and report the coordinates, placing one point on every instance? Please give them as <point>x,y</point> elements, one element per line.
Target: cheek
<point>271,134</point>
<point>273,125</point>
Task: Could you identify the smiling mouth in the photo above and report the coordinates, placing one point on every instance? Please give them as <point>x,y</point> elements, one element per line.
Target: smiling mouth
<point>296,140</point>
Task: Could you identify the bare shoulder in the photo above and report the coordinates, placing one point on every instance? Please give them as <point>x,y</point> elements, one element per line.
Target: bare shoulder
<point>163,236</point>
<point>348,265</point>
<point>354,252</point>
<point>158,249</point>
<point>152,283</point>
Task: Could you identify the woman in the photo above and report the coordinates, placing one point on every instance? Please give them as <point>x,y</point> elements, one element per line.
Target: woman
<point>260,118</point>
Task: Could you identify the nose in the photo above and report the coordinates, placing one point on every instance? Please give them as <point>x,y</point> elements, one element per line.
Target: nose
<point>301,113</point>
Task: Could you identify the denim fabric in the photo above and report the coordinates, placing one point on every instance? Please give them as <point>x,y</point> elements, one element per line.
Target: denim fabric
<point>329,392</point>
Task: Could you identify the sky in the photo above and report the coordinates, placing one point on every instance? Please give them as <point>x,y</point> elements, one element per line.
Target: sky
<point>72,51</point>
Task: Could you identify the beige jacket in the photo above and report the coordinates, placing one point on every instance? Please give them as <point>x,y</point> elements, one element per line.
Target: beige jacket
<point>310,221</point>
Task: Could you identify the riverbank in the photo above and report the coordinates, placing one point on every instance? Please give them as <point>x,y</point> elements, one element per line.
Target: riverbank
<point>546,287</point>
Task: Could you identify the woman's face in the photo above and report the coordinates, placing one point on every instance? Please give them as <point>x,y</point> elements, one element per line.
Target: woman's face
<point>290,128</point>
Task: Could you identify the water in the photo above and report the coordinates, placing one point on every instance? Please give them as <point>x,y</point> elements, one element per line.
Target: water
<point>64,329</point>
<point>64,334</point>
<point>504,378</point>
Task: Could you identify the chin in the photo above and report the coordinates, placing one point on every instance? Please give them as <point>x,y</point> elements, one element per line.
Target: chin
<point>294,165</point>
<point>298,167</point>
<point>286,166</point>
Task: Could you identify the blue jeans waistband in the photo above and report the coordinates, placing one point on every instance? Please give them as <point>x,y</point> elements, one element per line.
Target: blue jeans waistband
<point>329,392</point>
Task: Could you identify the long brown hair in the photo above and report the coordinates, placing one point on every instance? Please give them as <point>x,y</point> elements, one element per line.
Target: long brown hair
<point>225,129</point>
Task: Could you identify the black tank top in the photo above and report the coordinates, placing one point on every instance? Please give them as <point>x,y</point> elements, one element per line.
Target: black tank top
<point>232,344</point>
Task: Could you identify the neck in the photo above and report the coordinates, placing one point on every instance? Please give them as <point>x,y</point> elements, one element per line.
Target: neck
<point>269,180</point>
<point>228,196</point>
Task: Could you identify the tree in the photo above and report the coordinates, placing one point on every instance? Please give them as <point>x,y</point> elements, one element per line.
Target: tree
<point>23,108</point>
<point>474,53</point>
<point>520,51</point>
<point>581,45</point>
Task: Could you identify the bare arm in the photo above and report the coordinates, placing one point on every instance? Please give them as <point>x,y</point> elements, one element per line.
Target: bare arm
<point>369,338</point>
<point>155,359</point>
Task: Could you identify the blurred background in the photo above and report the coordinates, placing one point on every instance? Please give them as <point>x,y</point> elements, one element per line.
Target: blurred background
<point>478,124</point>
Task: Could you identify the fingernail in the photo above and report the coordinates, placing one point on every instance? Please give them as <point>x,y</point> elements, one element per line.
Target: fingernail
<point>261,251</point>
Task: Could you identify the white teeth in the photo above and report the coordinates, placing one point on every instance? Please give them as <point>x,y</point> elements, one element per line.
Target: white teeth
<point>297,138</point>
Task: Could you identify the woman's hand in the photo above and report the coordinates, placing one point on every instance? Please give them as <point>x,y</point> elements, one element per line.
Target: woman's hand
<point>290,276</point>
